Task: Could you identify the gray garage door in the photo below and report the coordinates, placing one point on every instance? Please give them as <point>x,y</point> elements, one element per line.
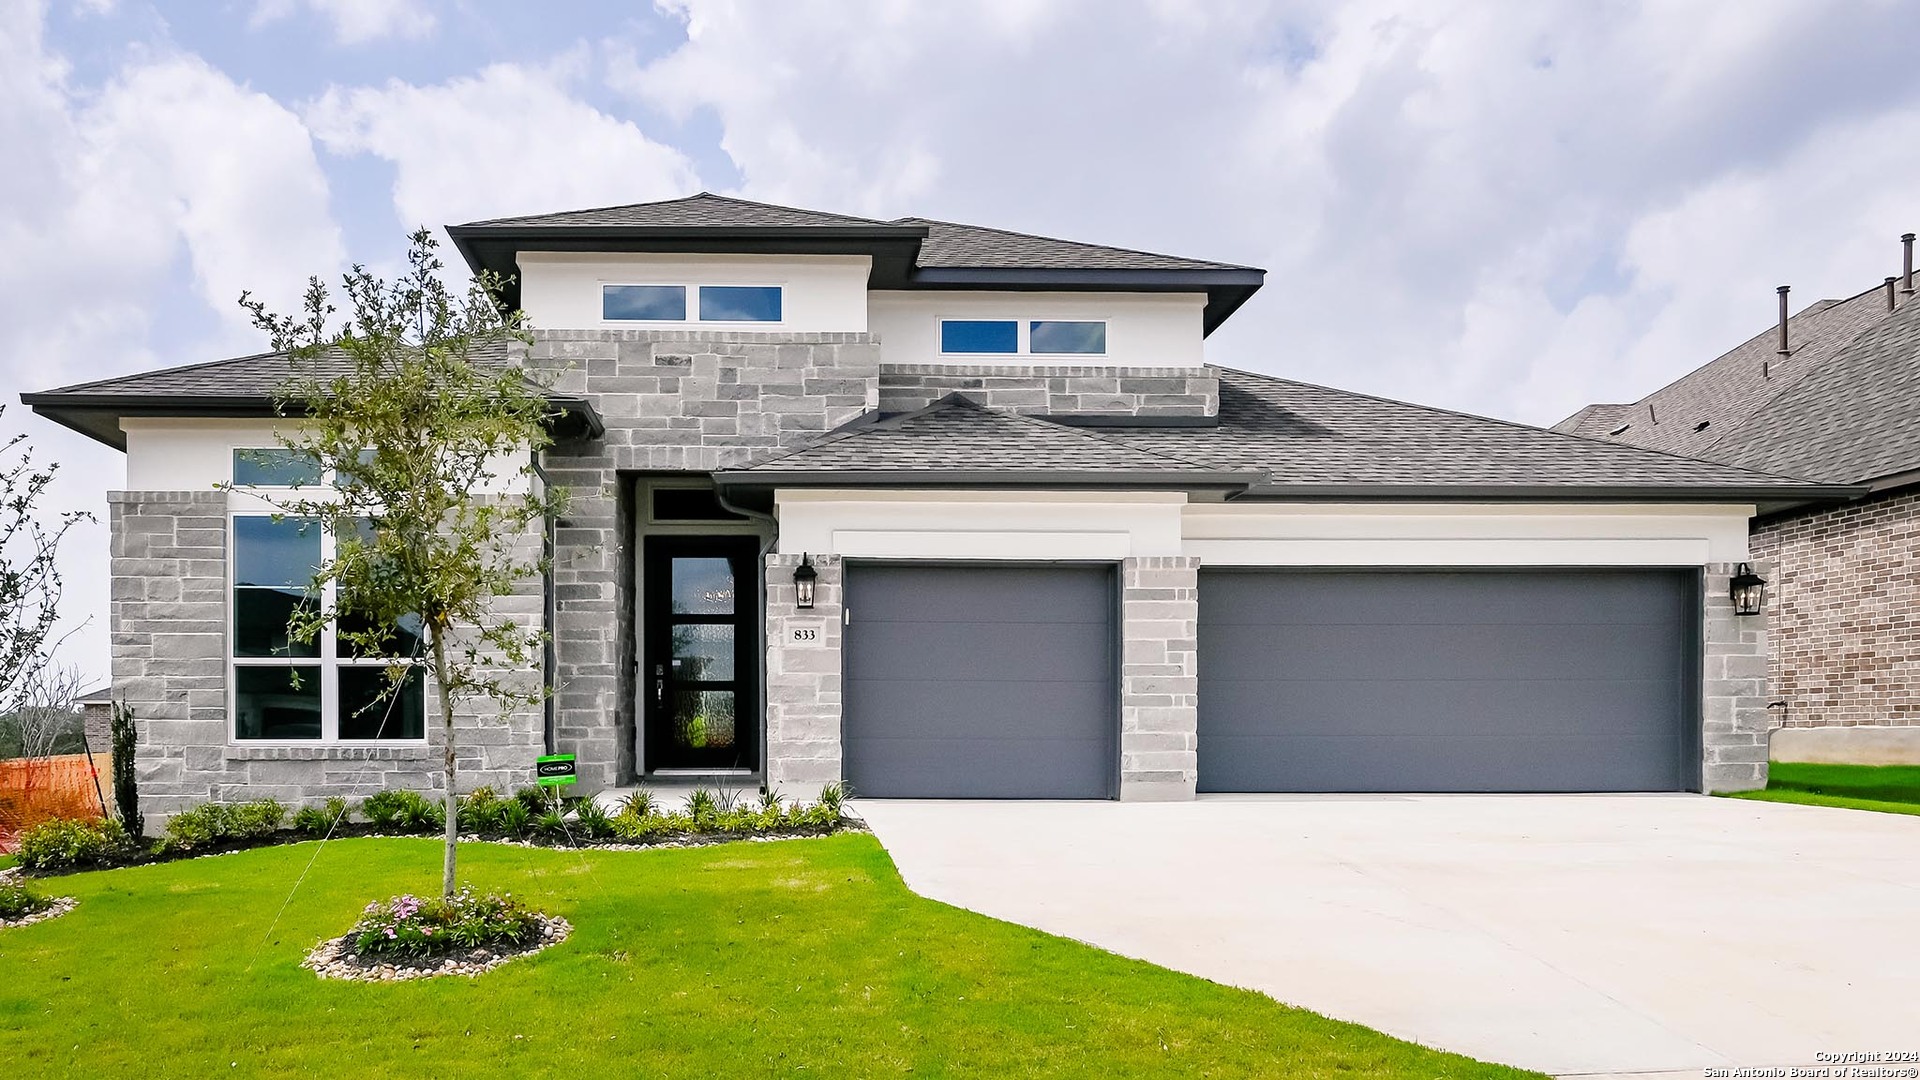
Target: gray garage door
<point>980,682</point>
<point>1454,681</point>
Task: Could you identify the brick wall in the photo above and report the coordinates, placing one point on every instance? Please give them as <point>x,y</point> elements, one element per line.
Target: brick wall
<point>1056,390</point>
<point>169,621</point>
<point>1159,677</point>
<point>673,400</point>
<point>1844,604</point>
<point>803,678</point>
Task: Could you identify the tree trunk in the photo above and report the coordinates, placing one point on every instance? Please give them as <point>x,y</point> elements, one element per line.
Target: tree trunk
<point>446,731</point>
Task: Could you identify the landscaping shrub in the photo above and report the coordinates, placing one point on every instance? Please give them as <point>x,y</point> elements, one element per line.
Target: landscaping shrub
<point>212,822</point>
<point>126,785</point>
<point>318,820</point>
<point>481,810</point>
<point>64,843</point>
<point>514,817</point>
<point>18,901</point>
<point>411,926</point>
<point>593,822</point>
<point>403,811</point>
<point>639,804</point>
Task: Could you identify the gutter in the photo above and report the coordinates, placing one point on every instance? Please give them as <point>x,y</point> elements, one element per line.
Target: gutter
<point>1233,483</point>
<point>1548,493</point>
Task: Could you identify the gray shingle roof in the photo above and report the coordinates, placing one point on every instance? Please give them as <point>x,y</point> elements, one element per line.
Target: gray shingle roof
<point>1306,437</point>
<point>1835,409</point>
<point>258,377</point>
<point>949,244</point>
<point>957,435</point>
<point>705,210</point>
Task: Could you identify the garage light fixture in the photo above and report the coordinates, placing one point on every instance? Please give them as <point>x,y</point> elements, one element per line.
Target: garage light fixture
<point>804,576</point>
<point>1748,590</point>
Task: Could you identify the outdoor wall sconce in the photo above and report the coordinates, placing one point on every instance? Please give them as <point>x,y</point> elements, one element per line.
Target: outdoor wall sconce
<point>1748,590</point>
<point>804,576</point>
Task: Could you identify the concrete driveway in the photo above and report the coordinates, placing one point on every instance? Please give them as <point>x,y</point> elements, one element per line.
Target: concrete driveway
<point>1577,935</point>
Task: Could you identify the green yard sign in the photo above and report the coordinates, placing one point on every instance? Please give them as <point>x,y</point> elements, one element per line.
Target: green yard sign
<point>554,770</point>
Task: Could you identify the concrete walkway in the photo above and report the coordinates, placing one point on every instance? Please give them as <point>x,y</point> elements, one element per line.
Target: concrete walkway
<point>1577,935</point>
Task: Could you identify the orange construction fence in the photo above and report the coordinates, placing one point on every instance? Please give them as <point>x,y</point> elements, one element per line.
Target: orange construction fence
<point>33,790</point>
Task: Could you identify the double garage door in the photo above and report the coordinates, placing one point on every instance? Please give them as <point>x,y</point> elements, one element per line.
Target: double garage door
<point>992,682</point>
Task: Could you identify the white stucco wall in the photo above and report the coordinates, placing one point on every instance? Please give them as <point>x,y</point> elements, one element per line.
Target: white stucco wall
<point>820,293</point>
<point>980,524</point>
<point>1112,526</point>
<point>194,454</point>
<point>1143,329</point>
<point>1438,534</point>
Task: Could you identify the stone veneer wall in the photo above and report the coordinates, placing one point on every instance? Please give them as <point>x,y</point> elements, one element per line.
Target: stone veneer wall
<point>1056,389</point>
<point>169,625</point>
<point>804,684</point>
<point>1159,677</point>
<point>1844,604</point>
<point>1733,688</point>
<point>673,400</point>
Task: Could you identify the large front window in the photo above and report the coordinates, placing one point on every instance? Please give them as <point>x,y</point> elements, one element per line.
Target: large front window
<point>290,691</point>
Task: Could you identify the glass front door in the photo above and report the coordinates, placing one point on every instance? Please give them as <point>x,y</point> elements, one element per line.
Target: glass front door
<point>703,640</point>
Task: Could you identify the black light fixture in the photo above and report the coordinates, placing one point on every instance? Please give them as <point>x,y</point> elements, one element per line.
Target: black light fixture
<point>1748,590</point>
<point>804,576</point>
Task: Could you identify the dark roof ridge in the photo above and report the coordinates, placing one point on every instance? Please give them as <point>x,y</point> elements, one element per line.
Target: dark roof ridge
<point>512,219</point>
<point>195,366</point>
<point>1589,439</point>
<point>1063,240</point>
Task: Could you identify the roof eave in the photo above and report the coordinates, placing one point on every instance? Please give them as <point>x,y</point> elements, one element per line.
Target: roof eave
<point>1057,479</point>
<point>98,416</point>
<point>1800,494</point>
<point>1227,288</point>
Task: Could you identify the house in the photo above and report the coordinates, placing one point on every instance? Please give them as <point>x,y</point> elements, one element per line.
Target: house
<point>1831,395</point>
<point>949,511</point>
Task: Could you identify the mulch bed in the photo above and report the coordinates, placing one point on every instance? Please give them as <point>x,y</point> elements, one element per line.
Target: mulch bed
<point>336,959</point>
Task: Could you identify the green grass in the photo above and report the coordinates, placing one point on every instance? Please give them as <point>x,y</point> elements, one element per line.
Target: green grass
<point>790,958</point>
<point>1892,789</point>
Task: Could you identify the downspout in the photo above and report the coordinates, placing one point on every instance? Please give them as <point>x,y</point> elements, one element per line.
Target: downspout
<point>549,611</point>
<point>760,590</point>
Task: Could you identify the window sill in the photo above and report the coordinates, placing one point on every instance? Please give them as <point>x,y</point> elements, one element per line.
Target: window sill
<point>329,752</point>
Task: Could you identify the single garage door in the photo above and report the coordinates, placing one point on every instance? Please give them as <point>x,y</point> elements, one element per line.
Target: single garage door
<point>980,682</point>
<point>1448,681</point>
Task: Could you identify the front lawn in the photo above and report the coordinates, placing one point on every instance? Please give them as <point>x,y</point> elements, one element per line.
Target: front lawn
<point>1893,789</point>
<point>795,957</point>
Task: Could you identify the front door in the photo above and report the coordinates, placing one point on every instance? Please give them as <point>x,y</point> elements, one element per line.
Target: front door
<point>702,638</point>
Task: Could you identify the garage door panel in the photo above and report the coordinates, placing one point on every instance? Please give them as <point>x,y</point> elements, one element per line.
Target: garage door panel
<point>1446,680</point>
<point>1000,709</point>
<point>1436,653</point>
<point>1397,763</point>
<point>1414,707</point>
<point>921,650</point>
<point>979,594</point>
<point>963,768</point>
<point>980,682</point>
<point>1435,599</point>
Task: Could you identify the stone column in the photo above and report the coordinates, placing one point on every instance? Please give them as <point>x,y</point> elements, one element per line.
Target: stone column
<point>804,678</point>
<point>1159,677</point>
<point>1733,688</point>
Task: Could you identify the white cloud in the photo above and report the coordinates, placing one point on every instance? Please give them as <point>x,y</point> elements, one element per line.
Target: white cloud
<point>151,200</point>
<point>511,139</point>
<point>1504,209</point>
<point>356,21</point>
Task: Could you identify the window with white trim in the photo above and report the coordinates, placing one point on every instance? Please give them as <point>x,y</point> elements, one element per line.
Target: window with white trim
<point>713,303</point>
<point>1015,337</point>
<point>282,690</point>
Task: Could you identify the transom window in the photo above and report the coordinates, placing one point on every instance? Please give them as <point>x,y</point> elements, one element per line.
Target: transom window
<point>289,691</point>
<point>1011,337</point>
<point>668,303</point>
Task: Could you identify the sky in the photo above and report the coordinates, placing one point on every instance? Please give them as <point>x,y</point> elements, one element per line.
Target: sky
<point>1508,208</point>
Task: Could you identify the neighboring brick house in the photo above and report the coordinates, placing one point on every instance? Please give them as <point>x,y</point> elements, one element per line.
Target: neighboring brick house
<point>1832,395</point>
<point>947,511</point>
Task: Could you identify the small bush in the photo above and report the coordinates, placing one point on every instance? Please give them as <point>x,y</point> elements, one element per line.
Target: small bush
<point>514,817</point>
<point>535,799</point>
<point>833,797</point>
<point>551,824</point>
<point>211,822</point>
<point>64,843</point>
<point>403,812</point>
<point>18,901</point>
<point>639,804</point>
<point>593,822</point>
<point>480,811</point>
<point>410,926</point>
<point>321,820</point>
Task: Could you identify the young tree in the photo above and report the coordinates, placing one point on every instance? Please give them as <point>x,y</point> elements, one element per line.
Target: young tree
<point>428,432</point>
<point>29,575</point>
